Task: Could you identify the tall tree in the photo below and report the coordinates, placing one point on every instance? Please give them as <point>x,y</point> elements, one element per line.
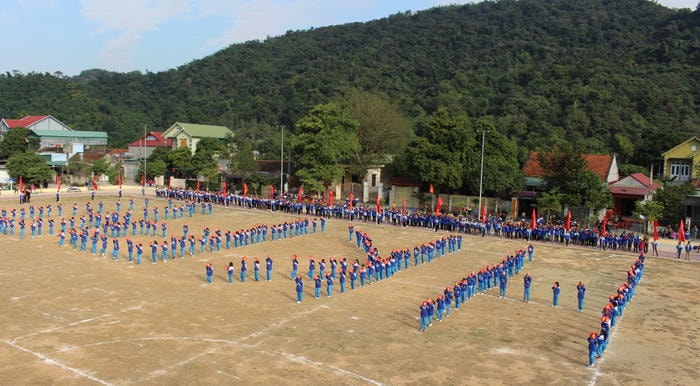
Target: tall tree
<point>567,171</point>
<point>30,166</point>
<point>325,144</point>
<point>382,128</point>
<point>438,155</point>
<point>15,141</point>
<point>671,197</point>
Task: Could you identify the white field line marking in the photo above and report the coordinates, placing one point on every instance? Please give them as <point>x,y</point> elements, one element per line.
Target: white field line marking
<point>58,364</point>
<point>229,375</point>
<point>599,362</point>
<point>60,327</point>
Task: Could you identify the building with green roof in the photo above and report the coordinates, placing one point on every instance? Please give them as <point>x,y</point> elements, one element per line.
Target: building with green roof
<point>188,134</point>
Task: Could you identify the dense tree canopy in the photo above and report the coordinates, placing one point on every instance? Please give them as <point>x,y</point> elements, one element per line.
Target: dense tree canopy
<point>30,166</point>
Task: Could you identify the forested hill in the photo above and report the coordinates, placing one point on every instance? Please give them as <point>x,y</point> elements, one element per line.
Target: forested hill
<point>613,75</point>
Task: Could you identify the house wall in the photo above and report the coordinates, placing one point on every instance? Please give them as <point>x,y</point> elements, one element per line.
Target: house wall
<point>687,151</point>
<point>49,124</point>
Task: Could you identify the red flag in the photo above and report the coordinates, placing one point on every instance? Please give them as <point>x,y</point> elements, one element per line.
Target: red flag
<point>403,207</point>
<point>533,225</point>
<point>379,204</point>
<point>605,224</point>
<point>58,183</point>
<point>439,205</point>
<point>21,185</point>
<point>656,230</point>
<point>681,232</point>
<point>351,197</point>
<point>143,179</point>
<point>272,191</point>
<point>223,186</point>
<point>197,186</point>
<point>567,226</point>
<point>331,198</point>
<point>483,213</point>
<point>431,190</point>
<point>94,184</point>
<point>119,180</point>
<point>245,189</point>
<point>300,194</point>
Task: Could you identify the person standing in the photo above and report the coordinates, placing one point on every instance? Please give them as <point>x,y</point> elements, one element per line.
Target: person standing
<point>555,294</point>
<point>527,283</point>
<point>688,247</point>
<point>317,287</point>
<point>592,348</point>
<point>580,294</point>
<point>299,287</point>
<point>230,270</point>
<point>244,267</point>
<point>256,268</point>
<point>503,285</point>
<point>679,250</point>
<point>209,269</point>
<point>423,316</point>
<point>329,284</point>
<point>139,253</point>
<point>268,268</point>
<point>295,266</point>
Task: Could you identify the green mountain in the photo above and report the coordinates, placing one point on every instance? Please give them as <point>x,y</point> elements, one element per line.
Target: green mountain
<point>606,75</point>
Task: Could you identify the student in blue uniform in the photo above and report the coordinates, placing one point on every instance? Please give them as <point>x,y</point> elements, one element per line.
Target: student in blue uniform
<point>317,287</point>
<point>329,284</point>
<point>268,268</point>
<point>555,294</point>
<point>210,272</point>
<point>503,284</point>
<point>230,270</point>
<point>295,266</point>
<point>592,348</point>
<point>527,283</point>
<point>299,287</point>
<point>244,268</point>
<point>580,294</point>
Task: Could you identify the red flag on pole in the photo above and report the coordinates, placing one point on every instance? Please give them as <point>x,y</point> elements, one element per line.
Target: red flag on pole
<point>351,197</point>
<point>143,179</point>
<point>331,198</point>
<point>272,191</point>
<point>656,230</point>
<point>439,205</point>
<point>483,213</point>
<point>533,225</point>
<point>94,184</point>
<point>403,206</point>
<point>58,183</point>
<point>605,224</point>
<point>431,190</point>
<point>223,187</point>
<point>21,185</point>
<point>379,204</point>
<point>567,226</point>
<point>245,189</point>
<point>119,180</point>
<point>681,232</point>
<point>300,194</point>
<point>197,186</point>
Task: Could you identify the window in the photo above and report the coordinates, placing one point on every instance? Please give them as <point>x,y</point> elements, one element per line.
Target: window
<point>680,170</point>
<point>183,143</point>
<point>374,179</point>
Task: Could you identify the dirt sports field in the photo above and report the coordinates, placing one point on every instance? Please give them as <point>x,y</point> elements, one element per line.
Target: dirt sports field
<point>70,318</point>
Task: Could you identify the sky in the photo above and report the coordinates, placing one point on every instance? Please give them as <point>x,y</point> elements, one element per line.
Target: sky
<point>70,36</point>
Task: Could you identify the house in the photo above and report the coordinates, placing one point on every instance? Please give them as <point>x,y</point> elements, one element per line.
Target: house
<point>679,162</point>
<point>189,134</point>
<point>603,165</point>
<point>144,146</point>
<point>57,141</point>
<point>627,191</point>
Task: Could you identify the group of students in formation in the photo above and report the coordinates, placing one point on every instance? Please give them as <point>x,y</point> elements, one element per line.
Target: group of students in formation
<point>230,270</point>
<point>613,310</point>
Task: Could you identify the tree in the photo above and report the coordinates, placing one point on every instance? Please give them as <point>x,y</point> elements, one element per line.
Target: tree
<point>671,197</point>
<point>30,166</point>
<point>382,128</point>
<point>550,201</point>
<point>242,160</point>
<point>439,154</point>
<point>180,162</point>
<point>15,141</point>
<point>100,166</point>
<point>325,144</point>
<point>567,171</point>
<point>502,174</point>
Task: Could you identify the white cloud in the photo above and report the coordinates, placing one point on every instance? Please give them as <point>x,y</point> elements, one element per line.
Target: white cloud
<point>128,19</point>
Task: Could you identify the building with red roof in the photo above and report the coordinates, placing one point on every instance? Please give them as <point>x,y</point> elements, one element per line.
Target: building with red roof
<point>627,191</point>
<point>143,147</point>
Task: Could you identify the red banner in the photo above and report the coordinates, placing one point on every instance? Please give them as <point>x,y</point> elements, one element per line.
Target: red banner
<point>403,207</point>
<point>272,191</point>
<point>483,213</point>
<point>94,184</point>
<point>331,198</point>
<point>143,179</point>
<point>223,186</point>
<point>656,230</point>
<point>431,190</point>
<point>351,199</point>
<point>605,224</point>
<point>245,189</point>
<point>533,225</point>
<point>21,185</point>
<point>300,195</point>
<point>567,226</point>
<point>119,180</point>
<point>58,183</point>
<point>439,205</point>
<point>681,232</point>
<point>197,186</point>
